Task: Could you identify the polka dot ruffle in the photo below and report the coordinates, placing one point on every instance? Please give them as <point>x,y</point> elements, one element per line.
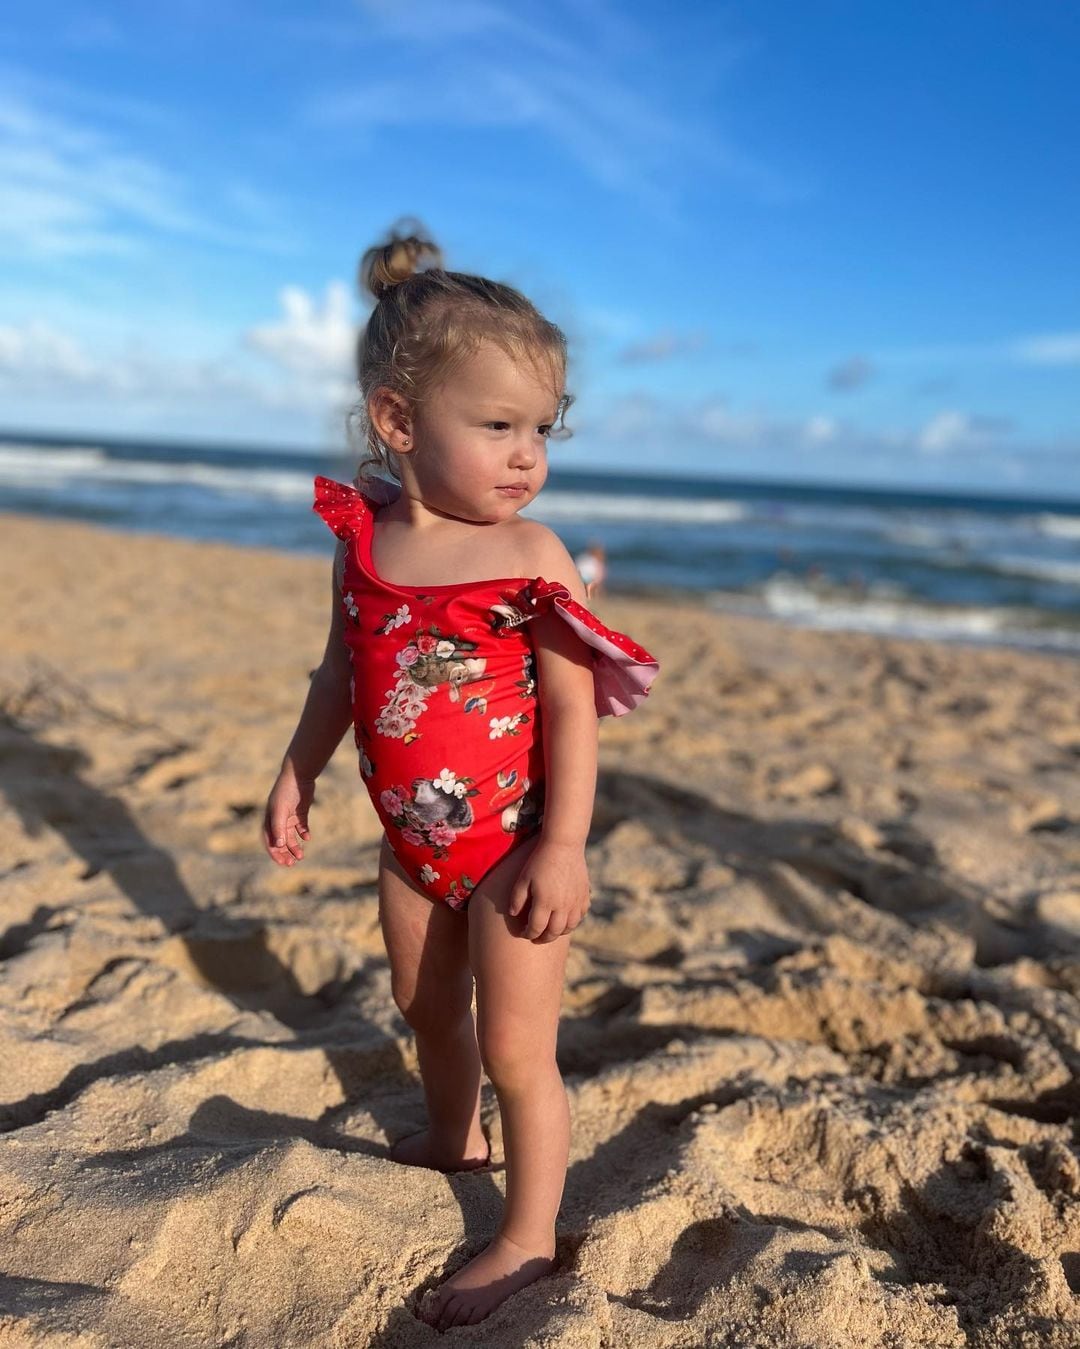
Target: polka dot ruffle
<point>623,670</point>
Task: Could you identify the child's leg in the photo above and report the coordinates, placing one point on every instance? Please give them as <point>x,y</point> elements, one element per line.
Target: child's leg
<point>428,946</point>
<point>518,994</point>
<point>519,985</point>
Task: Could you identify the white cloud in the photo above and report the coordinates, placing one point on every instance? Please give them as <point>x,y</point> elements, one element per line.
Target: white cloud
<point>37,354</point>
<point>951,430</point>
<point>308,340</point>
<point>819,430</point>
<point>944,431</point>
<point>716,422</point>
<point>38,360</point>
<point>1052,349</point>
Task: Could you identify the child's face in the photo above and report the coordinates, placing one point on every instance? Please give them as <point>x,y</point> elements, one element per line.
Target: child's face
<point>483,430</point>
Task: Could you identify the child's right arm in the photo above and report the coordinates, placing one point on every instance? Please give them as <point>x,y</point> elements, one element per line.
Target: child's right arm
<point>326,717</point>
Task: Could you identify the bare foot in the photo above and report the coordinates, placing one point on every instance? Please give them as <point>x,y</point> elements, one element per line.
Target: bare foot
<point>500,1270</point>
<point>418,1150</point>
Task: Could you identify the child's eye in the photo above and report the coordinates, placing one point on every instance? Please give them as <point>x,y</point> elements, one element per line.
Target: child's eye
<point>544,430</point>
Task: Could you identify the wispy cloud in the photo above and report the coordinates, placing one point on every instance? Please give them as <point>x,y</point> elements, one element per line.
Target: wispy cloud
<point>1043,349</point>
<point>1052,349</point>
<point>579,74</point>
<point>663,346</point>
<point>657,424</point>
<point>652,421</point>
<point>76,187</point>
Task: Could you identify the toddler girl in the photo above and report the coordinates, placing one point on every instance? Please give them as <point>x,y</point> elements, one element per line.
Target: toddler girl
<point>473,685</point>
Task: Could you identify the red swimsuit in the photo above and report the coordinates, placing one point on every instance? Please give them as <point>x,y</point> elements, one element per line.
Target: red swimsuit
<point>446,715</point>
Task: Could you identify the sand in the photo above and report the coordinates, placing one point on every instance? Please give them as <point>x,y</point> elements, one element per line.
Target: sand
<point>820,1028</point>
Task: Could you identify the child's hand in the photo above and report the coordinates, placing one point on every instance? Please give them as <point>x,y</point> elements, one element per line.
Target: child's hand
<point>554,882</point>
<point>285,823</point>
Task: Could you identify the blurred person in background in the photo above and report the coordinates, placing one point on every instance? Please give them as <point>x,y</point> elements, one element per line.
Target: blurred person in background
<point>592,568</point>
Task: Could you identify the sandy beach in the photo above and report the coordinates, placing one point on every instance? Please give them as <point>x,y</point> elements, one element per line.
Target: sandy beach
<point>820,1031</point>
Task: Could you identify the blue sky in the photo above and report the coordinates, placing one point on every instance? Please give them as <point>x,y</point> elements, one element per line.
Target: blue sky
<point>812,239</point>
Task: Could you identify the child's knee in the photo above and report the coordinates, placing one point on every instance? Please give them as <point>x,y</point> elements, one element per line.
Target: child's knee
<point>440,1012</point>
<point>512,1060</point>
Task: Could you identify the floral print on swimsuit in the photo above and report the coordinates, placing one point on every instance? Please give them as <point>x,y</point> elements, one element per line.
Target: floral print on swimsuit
<point>447,716</point>
<point>430,661</point>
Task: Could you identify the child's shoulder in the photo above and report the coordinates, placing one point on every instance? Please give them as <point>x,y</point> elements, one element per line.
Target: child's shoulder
<point>541,552</point>
<point>536,545</point>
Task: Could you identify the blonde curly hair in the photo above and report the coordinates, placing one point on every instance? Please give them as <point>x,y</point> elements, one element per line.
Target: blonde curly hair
<point>425,322</point>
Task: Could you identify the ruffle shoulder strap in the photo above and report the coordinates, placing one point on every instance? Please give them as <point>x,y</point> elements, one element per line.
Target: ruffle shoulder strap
<point>340,505</point>
<point>623,671</point>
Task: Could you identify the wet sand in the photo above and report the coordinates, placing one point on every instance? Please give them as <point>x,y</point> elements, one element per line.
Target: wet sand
<point>820,1030</point>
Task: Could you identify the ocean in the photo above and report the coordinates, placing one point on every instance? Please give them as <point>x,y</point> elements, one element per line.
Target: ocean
<point>957,567</point>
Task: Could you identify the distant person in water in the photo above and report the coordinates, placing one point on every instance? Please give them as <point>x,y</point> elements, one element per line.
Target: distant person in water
<point>592,568</point>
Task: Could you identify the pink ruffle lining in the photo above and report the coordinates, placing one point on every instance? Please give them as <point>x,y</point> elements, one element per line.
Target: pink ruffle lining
<point>623,671</point>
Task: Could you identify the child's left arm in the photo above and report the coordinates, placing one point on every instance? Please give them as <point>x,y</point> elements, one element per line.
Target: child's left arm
<point>555,880</point>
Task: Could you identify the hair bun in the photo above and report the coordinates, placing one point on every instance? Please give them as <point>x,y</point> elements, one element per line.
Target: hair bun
<point>386,265</point>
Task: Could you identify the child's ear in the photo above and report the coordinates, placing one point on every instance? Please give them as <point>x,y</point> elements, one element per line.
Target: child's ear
<point>391,417</point>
